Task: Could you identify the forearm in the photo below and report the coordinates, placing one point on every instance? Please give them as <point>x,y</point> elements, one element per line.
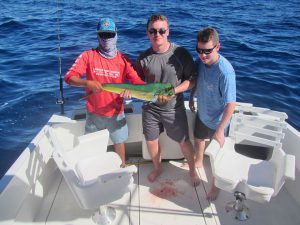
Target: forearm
<point>77,81</point>
<point>193,86</point>
<point>92,85</point>
<point>228,111</point>
<point>185,85</point>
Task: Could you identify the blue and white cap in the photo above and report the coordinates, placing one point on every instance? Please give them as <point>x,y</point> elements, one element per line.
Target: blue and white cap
<point>106,25</point>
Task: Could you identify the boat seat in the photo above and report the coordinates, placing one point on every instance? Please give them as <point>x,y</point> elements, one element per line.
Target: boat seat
<point>94,180</point>
<point>252,164</point>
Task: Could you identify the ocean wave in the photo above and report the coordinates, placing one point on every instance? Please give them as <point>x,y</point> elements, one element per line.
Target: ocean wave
<point>12,25</point>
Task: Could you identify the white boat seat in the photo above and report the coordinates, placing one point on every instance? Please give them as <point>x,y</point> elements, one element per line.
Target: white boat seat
<point>236,166</point>
<point>94,180</point>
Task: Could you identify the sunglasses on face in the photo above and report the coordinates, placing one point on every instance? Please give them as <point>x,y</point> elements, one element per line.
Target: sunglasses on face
<point>161,31</point>
<point>205,51</point>
<point>106,35</point>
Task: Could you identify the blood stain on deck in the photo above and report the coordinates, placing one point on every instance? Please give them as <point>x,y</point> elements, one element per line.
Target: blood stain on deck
<point>167,189</point>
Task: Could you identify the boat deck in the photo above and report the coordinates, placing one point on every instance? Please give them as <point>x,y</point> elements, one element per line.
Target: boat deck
<point>171,199</point>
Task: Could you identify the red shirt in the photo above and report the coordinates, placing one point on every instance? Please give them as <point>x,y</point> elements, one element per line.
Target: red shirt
<point>96,67</point>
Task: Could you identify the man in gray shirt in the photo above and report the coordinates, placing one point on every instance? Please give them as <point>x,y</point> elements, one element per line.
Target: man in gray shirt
<point>166,62</point>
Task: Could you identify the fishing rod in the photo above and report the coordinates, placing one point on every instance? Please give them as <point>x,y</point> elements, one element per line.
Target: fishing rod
<point>61,100</point>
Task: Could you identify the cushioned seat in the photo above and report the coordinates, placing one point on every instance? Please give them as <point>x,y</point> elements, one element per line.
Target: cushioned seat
<point>94,179</point>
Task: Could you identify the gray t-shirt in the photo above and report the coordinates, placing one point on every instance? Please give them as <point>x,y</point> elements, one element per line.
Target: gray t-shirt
<point>174,66</point>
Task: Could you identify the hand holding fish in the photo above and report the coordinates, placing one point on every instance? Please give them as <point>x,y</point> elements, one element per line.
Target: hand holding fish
<point>125,94</point>
<point>163,98</point>
<point>94,86</point>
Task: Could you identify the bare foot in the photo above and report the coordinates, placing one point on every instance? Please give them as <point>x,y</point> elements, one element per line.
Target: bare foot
<point>154,174</point>
<point>213,193</point>
<point>195,178</point>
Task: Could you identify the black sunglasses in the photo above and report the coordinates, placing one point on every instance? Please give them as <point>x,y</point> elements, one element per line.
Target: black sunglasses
<point>205,51</point>
<point>106,35</point>
<point>161,31</point>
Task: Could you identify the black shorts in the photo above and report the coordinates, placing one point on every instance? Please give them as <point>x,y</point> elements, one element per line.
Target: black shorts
<point>173,121</point>
<point>201,131</point>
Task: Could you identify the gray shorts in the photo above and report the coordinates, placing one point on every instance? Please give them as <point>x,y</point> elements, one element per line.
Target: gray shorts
<point>173,121</point>
<point>116,125</point>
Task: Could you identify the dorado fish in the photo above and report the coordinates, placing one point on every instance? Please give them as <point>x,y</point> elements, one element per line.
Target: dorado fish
<point>147,92</point>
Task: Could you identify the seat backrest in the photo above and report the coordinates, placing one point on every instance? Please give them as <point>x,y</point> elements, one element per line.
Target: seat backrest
<point>67,133</point>
<point>267,126</point>
<point>60,157</point>
<point>261,112</point>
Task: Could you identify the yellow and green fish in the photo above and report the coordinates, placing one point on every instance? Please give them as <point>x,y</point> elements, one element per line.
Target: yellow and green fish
<point>147,92</point>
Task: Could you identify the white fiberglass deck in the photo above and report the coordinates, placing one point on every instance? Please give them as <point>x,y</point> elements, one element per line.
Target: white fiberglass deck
<point>170,200</point>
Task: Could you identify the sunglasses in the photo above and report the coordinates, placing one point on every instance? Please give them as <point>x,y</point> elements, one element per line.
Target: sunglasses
<point>161,31</point>
<point>205,51</point>
<point>106,35</point>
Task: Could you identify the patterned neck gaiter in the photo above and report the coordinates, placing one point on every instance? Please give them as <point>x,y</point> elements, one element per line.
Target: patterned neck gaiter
<point>108,47</point>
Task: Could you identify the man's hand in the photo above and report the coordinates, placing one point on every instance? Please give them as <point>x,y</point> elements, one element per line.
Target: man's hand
<point>163,99</point>
<point>126,94</point>
<point>94,86</point>
<point>192,105</point>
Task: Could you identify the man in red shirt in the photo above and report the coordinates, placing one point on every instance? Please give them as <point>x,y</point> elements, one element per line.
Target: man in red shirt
<point>105,64</point>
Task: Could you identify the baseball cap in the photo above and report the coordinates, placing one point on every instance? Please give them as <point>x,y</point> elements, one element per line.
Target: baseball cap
<point>106,25</point>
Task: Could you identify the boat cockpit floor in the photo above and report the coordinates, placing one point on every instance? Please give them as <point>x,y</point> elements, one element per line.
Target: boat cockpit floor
<point>171,200</point>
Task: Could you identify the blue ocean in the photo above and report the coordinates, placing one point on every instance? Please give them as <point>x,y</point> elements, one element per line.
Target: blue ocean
<point>39,41</point>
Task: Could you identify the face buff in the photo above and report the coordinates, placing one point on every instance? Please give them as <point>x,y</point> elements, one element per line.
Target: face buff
<point>108,46</point>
